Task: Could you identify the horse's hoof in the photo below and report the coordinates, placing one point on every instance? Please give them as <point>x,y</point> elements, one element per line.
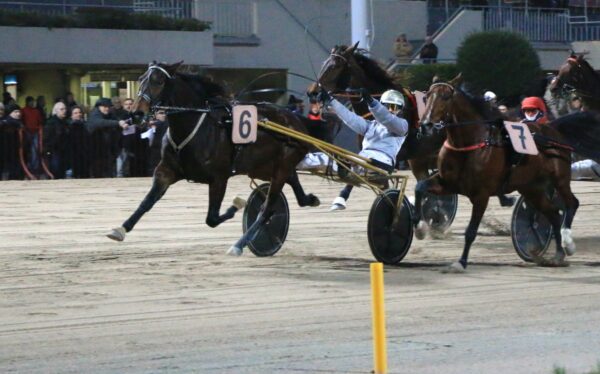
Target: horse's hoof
<point>567,241</point>
<point>454,268</point>
<point>117,234</point>
<point>314,201</point>
<point>234,251</point>
<point>239,203</point>
<point>421,230</point>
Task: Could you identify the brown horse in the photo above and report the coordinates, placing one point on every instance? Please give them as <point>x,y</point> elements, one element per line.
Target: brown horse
<point>198,148</point>
<point>476,162</point>
<point>576,76</point>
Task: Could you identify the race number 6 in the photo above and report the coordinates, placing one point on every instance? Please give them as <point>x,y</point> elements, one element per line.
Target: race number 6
<point>244,124</point>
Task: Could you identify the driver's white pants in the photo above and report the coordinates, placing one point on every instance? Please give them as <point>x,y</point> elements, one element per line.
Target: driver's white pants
<point>586,169</point>
<point>319,160</point>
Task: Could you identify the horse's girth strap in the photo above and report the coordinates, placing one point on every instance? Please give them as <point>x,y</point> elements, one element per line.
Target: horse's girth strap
<point>473,147</point>
<point>179,147</point>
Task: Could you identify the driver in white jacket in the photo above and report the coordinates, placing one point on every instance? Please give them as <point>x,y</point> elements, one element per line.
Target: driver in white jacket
<point>383,136</point>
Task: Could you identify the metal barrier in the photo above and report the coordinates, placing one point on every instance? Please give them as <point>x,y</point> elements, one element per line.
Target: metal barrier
<point>536,24</point>
<point>229,17</point>
<point>168,8</point>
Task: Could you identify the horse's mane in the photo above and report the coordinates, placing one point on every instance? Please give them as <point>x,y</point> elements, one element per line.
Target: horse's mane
<point>204,86</point>
<point>375,71</point>
<point>481,106</point>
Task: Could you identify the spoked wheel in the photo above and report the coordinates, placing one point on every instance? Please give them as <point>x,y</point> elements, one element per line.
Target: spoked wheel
<point>389,244</point>
<point>439,210</point>
<point>269,239</point>
<point>530,230</point>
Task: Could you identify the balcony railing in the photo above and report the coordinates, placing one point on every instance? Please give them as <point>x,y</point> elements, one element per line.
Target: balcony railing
<point>229,17</point>
<point>167,8</point>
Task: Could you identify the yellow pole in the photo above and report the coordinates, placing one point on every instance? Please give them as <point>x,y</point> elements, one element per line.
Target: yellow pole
<point>379,345</point>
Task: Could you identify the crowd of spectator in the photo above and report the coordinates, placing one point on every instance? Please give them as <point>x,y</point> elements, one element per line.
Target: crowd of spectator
<point>70,143</point>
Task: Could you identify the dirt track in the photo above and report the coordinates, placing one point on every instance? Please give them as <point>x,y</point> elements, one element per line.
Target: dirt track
<point>168,299</point>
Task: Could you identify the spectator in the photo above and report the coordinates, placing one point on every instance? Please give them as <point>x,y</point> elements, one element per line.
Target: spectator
<point>296,105</point>
<point>7,98</point>
<point>317,126</point>
<point>575,104</point>
<point>136,147</point>
<point>79,144</point>
<point>126,139</point>
<point>429,51</point>
<point>9,143</point>
<point>158,127</point>
<point>117,109</point>
<point>41,106</point>
<point>402,49</point>
<point>56,139</point>
<point>104,129</point>
<point>34,122</point>
<point>534,110</point>
<point>70,102</point>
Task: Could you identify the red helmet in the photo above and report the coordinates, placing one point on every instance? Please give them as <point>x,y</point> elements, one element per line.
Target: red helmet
<point>533,102</point>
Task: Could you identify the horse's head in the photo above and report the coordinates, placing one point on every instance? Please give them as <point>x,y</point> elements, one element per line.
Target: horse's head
<point>441,104</point>
<point>572,75</point>
<point>335,72</point>
<point>152,85</point>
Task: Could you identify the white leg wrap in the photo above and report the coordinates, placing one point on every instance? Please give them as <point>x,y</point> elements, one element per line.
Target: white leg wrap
<point>567,241</point>
<point>421,230</point>
<point>339,203</point>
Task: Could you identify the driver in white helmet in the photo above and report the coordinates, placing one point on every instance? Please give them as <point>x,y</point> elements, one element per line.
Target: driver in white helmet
<point>383,136</point>
<point>490,97</point>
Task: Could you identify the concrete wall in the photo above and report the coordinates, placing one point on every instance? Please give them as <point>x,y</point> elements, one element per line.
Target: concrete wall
<point>284,43</point>
<point>100,46</point>
<point>593,55</point>
<point>466,22</point>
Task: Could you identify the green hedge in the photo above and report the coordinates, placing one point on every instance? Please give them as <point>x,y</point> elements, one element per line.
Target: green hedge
<point>500,61</point>
<point>101,18</point>
<point>419,77</point>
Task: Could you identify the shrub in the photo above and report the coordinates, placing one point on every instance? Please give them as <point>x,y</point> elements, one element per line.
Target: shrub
<point>500,61</point>
<point>101,18</point>
<point>419,77</point>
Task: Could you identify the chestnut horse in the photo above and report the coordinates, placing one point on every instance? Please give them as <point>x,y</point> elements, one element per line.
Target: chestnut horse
<point>577,76</point>
<point>475,162</point>
<point>198,148</point>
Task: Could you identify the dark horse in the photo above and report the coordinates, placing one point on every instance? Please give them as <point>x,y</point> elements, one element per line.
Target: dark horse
<point>577,76</point>
<point>475,162</point>
<point>198,148</point>
<point>349,68</point>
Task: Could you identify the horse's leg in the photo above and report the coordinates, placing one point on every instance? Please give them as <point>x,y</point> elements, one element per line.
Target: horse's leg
<point>163,178</point>
<point>339,203</point>
<point>480,204</point>
<point>563,187</point>
<point>265,213</point>
<point>302,198</point>
<point>429,185</point>
<point>538,199</point>
<point>216,192</point>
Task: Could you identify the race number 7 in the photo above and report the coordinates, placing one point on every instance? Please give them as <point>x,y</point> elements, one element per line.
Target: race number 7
<point>244,129</point>
<point>521,135</point>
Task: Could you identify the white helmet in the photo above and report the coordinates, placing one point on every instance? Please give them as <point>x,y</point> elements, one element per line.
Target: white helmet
<point>489,96</point>
<point>393,97</point>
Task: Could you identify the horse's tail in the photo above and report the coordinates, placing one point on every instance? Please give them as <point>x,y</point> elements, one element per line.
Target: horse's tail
<point>581,131</point>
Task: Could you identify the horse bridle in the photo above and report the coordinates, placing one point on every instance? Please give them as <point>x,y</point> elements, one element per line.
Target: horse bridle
<point>146,81</point>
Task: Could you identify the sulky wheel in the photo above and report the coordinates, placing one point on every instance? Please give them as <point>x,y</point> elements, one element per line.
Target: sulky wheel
<point>269,239</point>
<point>439,210</point>
<point>530,230</point>
<point>390,244</point>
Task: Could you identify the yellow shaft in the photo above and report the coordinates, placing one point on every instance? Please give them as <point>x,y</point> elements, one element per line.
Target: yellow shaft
<point>379,340</point>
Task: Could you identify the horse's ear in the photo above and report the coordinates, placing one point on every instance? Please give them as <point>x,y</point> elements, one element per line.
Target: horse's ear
<point>172,69</point>
<point>435,79</point>
<point>353,48</point>
<point>457,80</point>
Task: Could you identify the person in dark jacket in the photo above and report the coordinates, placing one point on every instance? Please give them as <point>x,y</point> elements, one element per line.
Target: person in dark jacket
<point>79,144</point>
<point>104,131</point>
<point>429,51</point>
<point>10,125</point>
<point>56,139</point>
<point>159,127</point>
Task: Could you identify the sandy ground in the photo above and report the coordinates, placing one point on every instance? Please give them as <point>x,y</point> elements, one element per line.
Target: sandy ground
<point>168,300</point>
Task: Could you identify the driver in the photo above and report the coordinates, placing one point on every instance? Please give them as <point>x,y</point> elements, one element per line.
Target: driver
<point>534,110</point>
<point>383,136</point>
